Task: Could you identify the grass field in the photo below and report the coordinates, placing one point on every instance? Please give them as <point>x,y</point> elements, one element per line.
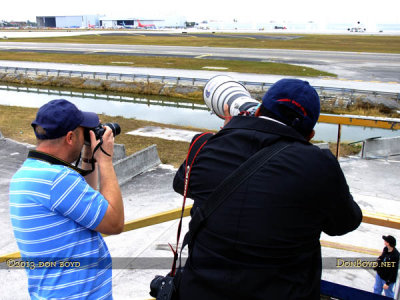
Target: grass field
<point>352,43</point>
<point>167,62</point>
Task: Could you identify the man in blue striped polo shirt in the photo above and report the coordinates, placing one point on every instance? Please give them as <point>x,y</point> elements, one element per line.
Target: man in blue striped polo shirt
<point>57,212</point>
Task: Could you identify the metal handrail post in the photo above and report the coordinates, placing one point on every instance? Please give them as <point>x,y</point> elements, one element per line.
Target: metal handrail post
<point>338,140</point>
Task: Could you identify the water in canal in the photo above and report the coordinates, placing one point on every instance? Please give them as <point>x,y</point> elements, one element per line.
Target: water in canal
<point>166,111</point>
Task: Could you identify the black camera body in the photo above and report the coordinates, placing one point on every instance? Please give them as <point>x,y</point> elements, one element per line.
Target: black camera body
<point>162,287</point>
<point>99,131</point>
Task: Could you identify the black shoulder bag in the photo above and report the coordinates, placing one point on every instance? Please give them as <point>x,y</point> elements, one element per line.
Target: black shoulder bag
<point>167,287</point>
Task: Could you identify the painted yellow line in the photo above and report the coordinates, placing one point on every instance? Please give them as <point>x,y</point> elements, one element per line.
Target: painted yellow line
<point>379,219</point>
<point>203,55</point>
<point>14,255</point>
<point>352,248</point>
<point>165,216</point>
<point>328,244</point>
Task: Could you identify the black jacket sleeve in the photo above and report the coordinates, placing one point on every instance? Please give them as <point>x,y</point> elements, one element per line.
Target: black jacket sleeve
<point>195,144</point>
<point>341,213</point>
<point>179,179</point>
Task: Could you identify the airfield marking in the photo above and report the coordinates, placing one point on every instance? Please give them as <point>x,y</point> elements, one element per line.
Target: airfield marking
<point>203,55</point>
<point>215,68</point>
<point>94,51</point>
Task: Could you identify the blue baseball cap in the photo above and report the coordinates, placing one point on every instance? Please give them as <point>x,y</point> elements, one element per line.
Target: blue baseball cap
<point>60,116</point>
<point>297,95</point>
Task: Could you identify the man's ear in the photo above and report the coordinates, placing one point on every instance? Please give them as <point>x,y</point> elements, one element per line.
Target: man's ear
<point>311,135</point>
<point>69,137</point>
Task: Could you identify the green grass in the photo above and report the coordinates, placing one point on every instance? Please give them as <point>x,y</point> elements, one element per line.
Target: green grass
<point>15,124</point>
<point>166,62</point>
<point>353,43</point>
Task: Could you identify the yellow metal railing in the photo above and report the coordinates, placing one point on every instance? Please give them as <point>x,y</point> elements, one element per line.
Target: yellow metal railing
<point>384,123</point>
<point>368,217</point>
<point>374,122</point>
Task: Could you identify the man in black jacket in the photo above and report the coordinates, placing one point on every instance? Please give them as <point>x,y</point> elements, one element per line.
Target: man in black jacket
<point>263,241</point>
<point>388,264</point>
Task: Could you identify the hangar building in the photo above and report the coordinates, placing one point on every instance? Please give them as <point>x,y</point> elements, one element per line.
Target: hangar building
<point>83,21</point>
<point>98,21</point>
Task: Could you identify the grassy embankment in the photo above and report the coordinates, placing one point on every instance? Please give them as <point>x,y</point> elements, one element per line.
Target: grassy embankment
<point>167,63</point>
<point>15,124</point>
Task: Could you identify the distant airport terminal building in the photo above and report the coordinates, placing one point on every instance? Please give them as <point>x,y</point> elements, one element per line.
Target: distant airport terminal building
<point>83,21</point>
<point>96,21</point>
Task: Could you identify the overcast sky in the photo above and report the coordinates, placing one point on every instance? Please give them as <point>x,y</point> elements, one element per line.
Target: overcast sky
<point>331,11</point>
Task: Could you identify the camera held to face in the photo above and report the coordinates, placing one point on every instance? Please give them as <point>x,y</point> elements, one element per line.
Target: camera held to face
<point>99,131</point>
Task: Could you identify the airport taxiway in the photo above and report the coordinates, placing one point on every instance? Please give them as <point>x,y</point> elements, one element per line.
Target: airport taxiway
<point>347,65</point>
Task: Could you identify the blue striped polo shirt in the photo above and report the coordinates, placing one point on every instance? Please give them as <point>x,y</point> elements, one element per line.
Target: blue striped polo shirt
<point>54,213</point>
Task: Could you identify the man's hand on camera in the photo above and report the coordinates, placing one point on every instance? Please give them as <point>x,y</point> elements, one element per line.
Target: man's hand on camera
<point>227,116</point>
<point>107,146</point>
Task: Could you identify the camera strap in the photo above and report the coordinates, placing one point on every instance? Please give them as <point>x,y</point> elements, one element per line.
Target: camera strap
<point>56,161</point>
<point>190,158</point>
<point>229,185</point>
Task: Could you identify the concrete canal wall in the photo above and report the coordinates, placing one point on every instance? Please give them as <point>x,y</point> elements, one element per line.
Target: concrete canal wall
<point>172,86</point>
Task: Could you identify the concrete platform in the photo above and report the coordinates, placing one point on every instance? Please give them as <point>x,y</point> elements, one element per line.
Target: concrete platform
<point>141,254</point>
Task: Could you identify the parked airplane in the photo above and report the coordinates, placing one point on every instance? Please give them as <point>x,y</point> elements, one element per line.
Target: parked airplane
<point>127,26</point>
<point>147,26</point>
